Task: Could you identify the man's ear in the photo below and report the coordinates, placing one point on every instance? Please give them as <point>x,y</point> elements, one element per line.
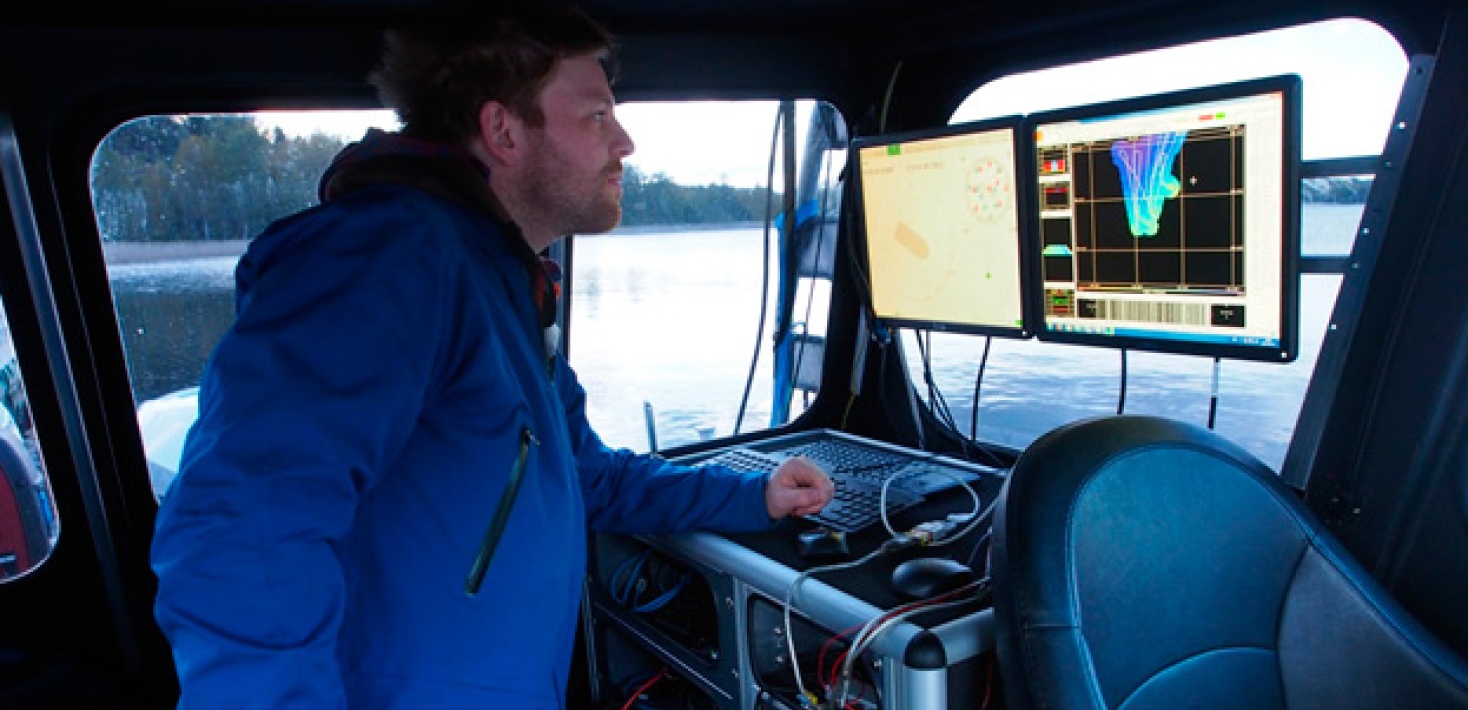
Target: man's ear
<point>501,131</point>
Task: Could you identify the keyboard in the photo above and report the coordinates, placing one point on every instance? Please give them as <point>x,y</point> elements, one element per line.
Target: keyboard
<point>856,504</point>
<point>875,465</point>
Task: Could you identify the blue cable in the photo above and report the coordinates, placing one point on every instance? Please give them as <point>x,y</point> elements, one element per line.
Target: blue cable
<point>664,598</point>
<point>622,588</point>
<point>624,580</point>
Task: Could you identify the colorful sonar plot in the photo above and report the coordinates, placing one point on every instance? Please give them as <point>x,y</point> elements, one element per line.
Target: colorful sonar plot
<point>1146,177</point>
<point>1170,222</point>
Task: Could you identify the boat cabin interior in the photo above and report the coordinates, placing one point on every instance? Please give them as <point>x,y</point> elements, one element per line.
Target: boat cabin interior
<point>1133,333</point>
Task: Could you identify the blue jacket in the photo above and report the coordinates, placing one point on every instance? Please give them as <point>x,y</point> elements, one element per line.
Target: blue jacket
<point>358,425</point>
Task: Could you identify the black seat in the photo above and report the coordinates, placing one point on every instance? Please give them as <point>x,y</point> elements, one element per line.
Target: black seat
<point>1142,563</point>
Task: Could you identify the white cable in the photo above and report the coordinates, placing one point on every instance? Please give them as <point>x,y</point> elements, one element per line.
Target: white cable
<point>790,595</point>
<point>882,501</point>
<point>867,636</point>
<point>975,518</point>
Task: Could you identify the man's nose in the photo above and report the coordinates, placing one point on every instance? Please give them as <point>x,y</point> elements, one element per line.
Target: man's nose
<point>622,145</point>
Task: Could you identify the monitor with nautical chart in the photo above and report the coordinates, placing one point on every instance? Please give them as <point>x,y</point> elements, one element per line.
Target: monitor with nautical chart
<point>941,215</point>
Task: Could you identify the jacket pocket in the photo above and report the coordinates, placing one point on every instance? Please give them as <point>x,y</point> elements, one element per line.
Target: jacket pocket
<point>501,514</point>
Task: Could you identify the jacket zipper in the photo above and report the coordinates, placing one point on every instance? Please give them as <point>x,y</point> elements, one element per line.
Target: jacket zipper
<point>501,515</point>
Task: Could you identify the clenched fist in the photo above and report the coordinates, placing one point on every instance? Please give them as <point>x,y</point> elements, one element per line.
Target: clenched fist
<point>798,487</point>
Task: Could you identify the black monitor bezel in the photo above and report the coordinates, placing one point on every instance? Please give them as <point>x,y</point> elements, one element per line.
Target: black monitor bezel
<point>1022,139</point>
<point>1289,86</point>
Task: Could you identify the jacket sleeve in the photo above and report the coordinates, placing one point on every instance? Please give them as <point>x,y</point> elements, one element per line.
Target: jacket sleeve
<point>626,492</point>
<point>312,389</point>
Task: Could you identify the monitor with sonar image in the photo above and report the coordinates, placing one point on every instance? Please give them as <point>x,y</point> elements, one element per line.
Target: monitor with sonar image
<point>941,215</point>
<point>1170,223</point>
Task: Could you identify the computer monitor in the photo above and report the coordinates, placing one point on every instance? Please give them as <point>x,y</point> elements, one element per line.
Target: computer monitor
<point>941,215</point>
<point>1171,222</point>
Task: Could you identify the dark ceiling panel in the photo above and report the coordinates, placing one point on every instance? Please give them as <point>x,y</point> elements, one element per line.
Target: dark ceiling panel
<point>268,51</point>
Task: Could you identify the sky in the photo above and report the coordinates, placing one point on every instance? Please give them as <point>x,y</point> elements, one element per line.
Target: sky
<point>1352,73</point>
<point>695,143</point>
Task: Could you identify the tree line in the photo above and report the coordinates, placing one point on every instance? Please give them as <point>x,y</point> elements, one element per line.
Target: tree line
<point>190,178</point>
<point>163,178</point>
<point>1336,190</point>
<point>171,178</point>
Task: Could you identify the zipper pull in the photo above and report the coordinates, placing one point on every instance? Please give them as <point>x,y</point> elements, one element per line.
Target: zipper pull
<point>501,515</point>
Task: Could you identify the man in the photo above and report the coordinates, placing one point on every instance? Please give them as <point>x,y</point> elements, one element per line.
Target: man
<point>385,499</point>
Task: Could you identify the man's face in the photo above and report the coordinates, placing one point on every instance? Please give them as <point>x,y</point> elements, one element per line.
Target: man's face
<point>574,174</point>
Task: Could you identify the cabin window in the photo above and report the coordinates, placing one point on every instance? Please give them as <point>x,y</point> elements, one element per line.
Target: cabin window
<point>672,314</point>
<point>177,199</point>
<point>1352,73</point>
<point>664,313</point>
<point>28,522</point>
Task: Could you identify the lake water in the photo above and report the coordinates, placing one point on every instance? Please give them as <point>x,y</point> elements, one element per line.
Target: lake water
<point>668,322</point>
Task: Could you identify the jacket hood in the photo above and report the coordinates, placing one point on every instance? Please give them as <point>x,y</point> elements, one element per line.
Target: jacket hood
<point>445,171</point>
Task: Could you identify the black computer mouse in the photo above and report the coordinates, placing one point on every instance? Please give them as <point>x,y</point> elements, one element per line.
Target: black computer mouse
<point>924,577</point>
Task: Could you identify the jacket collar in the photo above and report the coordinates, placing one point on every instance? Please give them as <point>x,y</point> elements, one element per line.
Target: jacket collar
<point>445,171</point>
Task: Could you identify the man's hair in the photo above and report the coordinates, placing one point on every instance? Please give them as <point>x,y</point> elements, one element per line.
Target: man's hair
<point>438,78</point>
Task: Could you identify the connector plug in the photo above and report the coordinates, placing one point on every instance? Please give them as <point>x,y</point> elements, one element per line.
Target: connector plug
<point>931,531</point>
<point>901,542</point>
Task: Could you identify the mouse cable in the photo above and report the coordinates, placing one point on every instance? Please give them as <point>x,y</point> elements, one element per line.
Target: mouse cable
<point>890,546</point>
<point>879,625</point>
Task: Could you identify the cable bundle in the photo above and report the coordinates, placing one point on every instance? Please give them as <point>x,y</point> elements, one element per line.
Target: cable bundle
<point>628,584</point>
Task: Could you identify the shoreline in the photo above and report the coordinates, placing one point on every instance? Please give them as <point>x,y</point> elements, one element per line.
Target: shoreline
<point>665,228</point>
<point>143,252</point>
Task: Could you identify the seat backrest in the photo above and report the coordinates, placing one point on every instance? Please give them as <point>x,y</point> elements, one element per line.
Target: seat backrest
<point>1143,563</point>
<point>22,528</point>
<point>15,555</point>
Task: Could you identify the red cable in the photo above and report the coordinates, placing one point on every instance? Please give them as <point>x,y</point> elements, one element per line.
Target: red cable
<point>836,668</point>
<point>902,609</point>
<point>988,684</point>
<point>821,657</point>
<point>638,693</point>
<point>946,596</point>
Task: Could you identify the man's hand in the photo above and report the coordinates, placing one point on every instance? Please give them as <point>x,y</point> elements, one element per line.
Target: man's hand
<point>798,487</point>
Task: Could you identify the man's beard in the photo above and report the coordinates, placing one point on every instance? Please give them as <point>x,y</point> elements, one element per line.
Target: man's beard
<point>574,203</point>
